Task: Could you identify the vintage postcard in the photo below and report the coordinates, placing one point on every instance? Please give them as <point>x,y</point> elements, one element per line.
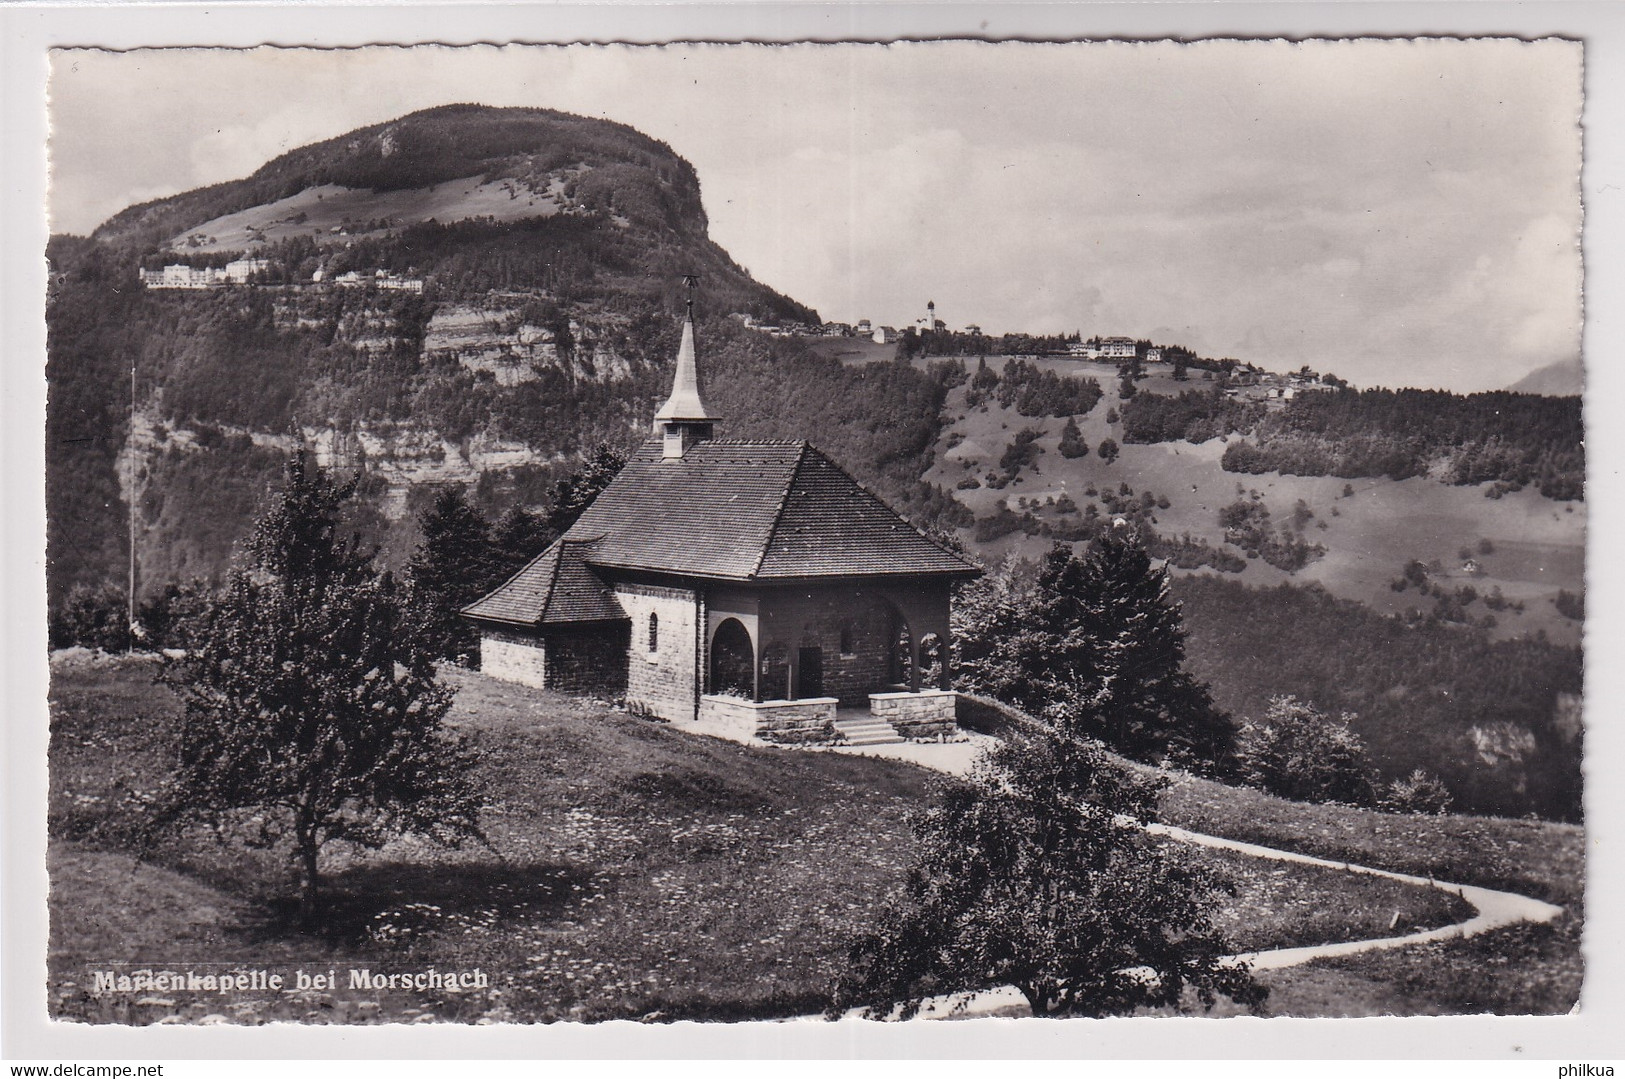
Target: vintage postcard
<point>816,533</point>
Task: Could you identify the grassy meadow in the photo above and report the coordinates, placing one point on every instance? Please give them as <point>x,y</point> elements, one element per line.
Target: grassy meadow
<point>636,871</point>
<point>1522,969</point>
<point>1538,544</point>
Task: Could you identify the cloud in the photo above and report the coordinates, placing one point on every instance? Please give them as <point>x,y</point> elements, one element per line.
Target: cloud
<point>1390,210</point>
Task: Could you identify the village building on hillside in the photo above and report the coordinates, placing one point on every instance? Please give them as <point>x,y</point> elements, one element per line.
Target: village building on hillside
<point>1118,348</point>
<point>748,584</point>
<point>182,276</point>
<point>379,279</point>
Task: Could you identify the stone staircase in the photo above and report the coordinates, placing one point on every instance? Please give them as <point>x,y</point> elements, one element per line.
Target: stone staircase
<point>862,729</point>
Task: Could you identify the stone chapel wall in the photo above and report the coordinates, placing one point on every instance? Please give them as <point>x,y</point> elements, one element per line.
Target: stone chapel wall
<point>588,660</point>
<point>661,682</point>
<point>513,656</point>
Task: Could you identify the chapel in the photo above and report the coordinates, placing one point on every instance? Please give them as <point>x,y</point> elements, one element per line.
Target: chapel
<point>750,584</point>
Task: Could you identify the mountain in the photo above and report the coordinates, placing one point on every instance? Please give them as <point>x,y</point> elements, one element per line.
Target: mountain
<point>466,294</point>
<point>480,296</point>
<point>412,192</point>
<point>1561,379</point>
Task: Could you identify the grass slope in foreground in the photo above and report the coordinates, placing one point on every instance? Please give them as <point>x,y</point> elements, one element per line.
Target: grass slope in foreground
<point>642,872</point>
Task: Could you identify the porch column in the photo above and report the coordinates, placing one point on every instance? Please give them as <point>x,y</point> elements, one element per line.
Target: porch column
<point>913,662</point>
<point>755,670</point>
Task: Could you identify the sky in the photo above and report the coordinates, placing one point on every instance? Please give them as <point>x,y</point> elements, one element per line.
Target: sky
<point>1397,212</point>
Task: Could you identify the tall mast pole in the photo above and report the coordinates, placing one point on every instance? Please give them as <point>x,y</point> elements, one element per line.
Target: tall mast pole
<point>130,595</point>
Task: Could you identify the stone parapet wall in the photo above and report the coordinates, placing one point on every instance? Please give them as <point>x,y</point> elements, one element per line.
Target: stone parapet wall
<point>988,716</point>
<point>928,714</point>
<point>788,722</point>
<point>730,716</point>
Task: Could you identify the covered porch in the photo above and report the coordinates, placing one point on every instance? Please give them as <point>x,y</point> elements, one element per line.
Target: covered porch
<point>792,661</point>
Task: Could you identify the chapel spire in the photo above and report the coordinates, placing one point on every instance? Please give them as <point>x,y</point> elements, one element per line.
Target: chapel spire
<point>684,420</point>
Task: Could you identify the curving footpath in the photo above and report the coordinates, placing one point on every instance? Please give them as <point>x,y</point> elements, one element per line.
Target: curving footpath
<point>1492,909</point>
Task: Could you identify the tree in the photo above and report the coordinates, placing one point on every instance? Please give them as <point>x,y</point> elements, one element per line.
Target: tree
<point>451,569</point>
<point>1301,753</point>
<point>312,711</point>
<point>1072,443</point>
<point>521,535</point>
<point>1037,873</point>
<point>1096,646</point>
<point>517,538</point>
<point>1107,449</point>
<point>575,492</point>
<point>1134,693</point>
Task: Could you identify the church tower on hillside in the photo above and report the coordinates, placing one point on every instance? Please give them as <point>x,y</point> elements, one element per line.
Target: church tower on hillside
<point>748,585</point>
<point>684,419</point>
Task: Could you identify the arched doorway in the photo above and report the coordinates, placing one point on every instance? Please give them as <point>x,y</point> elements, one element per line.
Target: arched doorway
<point>733,659</point>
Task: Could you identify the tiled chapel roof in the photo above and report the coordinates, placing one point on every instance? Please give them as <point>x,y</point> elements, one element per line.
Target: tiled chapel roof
<point>555,588</point>
<point>752,511</point>
<point>731,510</point>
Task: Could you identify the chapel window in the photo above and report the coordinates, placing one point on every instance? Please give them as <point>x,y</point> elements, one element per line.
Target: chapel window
<point>654,632</point>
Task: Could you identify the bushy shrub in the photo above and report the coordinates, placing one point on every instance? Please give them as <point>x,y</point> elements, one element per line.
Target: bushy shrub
<point>1301,753</point>
<point>92,616</point>
<point>177,617</point>
<point>1034,872</point>
<point>1421,792</point>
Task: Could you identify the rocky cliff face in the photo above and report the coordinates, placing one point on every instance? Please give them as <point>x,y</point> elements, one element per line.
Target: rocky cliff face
<point>463,295</point>
<point>495,336</point>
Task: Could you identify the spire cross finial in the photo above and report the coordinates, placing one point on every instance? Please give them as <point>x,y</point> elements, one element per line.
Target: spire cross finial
<point>684,420</point>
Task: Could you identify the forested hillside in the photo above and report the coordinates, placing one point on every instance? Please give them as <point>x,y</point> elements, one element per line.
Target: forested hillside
<point>1511,439</point>
<point>533,339</point>
<point>1497,720</point>
<point>1516,439</point>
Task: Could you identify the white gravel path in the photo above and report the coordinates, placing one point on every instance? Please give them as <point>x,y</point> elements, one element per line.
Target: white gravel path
<point>1492,909</point>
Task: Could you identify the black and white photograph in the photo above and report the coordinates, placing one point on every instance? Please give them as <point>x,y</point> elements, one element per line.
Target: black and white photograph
<point>816,533</point>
